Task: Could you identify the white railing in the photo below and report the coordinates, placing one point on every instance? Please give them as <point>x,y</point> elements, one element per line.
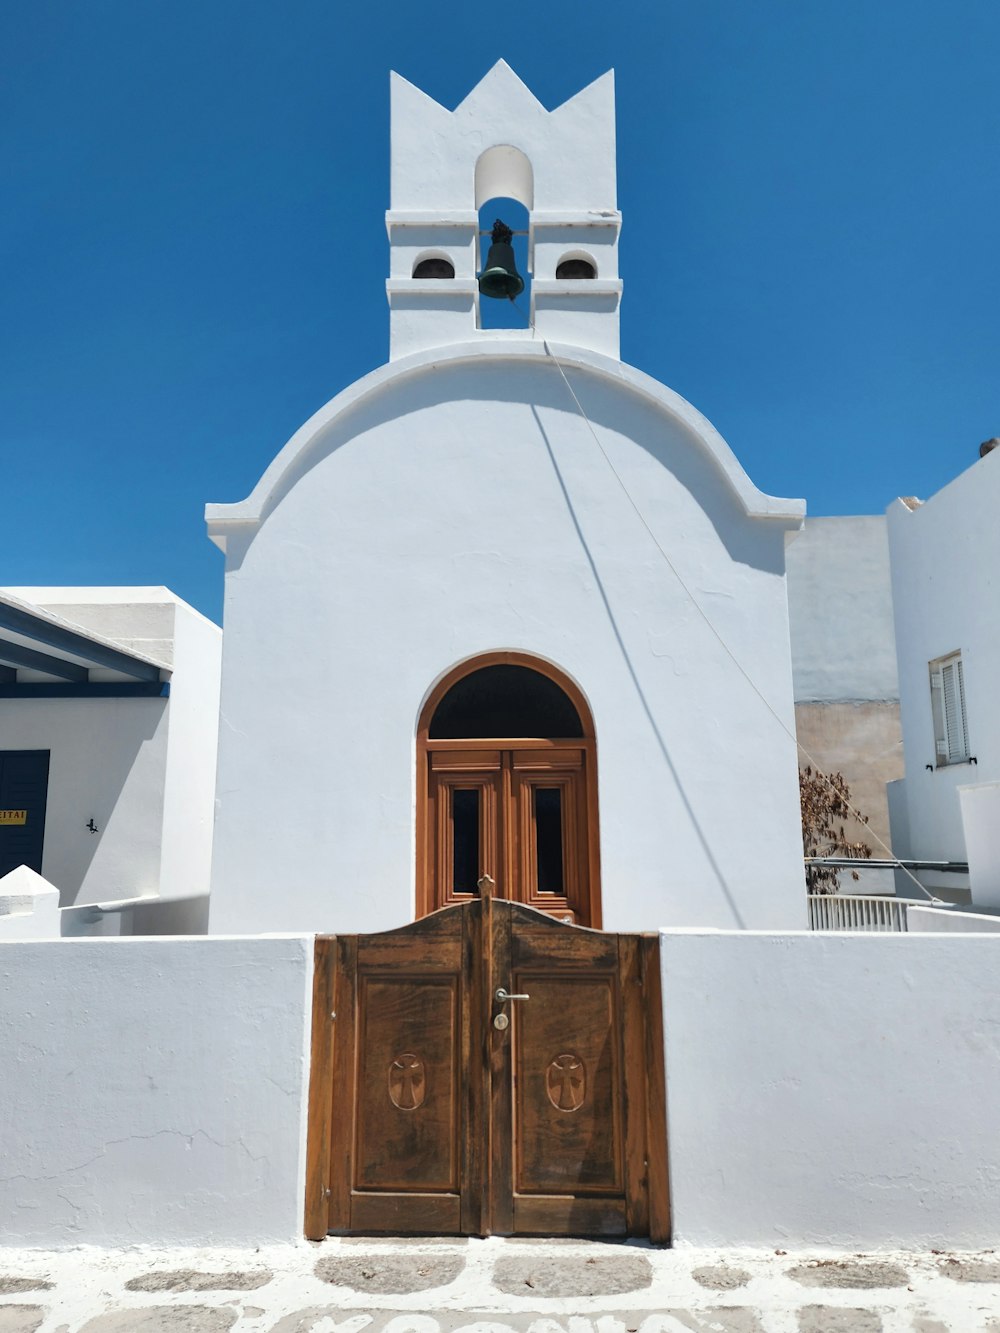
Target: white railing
<point>849,911</point>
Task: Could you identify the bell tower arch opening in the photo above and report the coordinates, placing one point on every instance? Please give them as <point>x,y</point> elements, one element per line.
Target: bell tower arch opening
<point>503,171</point>
<point>505,193</point>
<point>507,790</point>
<point>500,311</point>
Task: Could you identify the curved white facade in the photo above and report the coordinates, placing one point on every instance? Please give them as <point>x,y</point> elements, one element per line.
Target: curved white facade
<point>456,503</point>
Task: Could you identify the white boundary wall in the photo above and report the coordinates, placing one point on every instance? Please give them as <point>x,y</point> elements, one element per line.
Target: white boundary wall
<point>944,920</point>
<point>833,1090</point>
<point>822,1089</point>
<point>153,1090</point>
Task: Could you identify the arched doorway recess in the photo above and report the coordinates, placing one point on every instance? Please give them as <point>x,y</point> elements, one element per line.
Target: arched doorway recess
<point>507,789</point>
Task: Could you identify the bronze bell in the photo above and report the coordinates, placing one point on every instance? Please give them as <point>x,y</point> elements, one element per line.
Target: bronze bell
<point>500,278</point>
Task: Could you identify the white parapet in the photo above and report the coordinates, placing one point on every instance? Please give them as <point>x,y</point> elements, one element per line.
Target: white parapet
<point>950,920</point>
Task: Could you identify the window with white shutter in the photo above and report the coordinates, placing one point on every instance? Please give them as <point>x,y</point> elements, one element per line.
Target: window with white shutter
<point>951,728</point>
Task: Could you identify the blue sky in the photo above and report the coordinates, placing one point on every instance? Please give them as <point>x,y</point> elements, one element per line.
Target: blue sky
<point>194,251</point>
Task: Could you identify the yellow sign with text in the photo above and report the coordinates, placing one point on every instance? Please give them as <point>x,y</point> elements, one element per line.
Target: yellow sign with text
<point>13,817</point>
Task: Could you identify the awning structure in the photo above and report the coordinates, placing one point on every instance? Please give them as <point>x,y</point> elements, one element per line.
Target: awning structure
<point>43,656</point>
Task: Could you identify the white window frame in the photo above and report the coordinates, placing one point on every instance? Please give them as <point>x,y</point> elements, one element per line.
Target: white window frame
<point>951,724</point>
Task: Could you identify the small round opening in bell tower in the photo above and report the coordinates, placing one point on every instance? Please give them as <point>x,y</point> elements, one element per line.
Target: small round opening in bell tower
<point>434,267</point>
<point>575,268</point>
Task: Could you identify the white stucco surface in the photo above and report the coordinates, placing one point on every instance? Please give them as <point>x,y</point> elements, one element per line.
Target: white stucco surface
<point>138,618</point>
<point>980,807</point>
<point>153,1091</point>
<point>192,749</point>
<point>107,764</point>
<point>455,504</point>
<point>435,151</point>
<point>840,611</point>
<point>832,1090</point>
<point>945,557</point>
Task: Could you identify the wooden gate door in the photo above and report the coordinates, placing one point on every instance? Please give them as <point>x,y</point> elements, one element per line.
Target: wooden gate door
<point>488,1070</point>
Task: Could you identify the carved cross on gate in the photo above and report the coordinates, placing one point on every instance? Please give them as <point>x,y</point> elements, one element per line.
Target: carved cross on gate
<point>565,1082</point>
<point>406,1074</point>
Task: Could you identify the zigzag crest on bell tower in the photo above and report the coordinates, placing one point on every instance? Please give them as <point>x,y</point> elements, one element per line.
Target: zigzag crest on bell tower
<point>501,142</point>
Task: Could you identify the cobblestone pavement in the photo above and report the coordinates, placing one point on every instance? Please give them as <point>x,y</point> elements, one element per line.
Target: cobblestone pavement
<point>494,1286</point>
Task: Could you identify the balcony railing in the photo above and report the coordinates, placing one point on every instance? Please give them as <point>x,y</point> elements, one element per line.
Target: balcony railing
<point>849,911</point>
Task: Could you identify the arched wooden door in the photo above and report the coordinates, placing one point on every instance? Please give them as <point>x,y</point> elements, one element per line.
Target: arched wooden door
<point>507,791</point>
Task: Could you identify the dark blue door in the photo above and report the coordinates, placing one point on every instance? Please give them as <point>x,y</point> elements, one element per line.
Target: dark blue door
<point>24,785</point>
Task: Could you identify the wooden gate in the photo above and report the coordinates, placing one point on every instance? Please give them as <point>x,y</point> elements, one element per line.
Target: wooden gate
<point>487,1070</point>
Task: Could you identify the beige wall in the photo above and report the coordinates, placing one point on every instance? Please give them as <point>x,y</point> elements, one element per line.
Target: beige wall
<point>864,742</point>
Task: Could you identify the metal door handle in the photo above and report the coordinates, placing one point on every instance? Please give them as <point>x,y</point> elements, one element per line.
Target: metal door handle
<point>503,996</point>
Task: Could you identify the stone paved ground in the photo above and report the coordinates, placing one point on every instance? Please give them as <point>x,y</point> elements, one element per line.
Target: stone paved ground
<point>494,1286</point>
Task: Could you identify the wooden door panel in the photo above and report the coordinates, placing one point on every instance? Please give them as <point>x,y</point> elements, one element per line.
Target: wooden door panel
<point>549,861</point>
<point>549,813</point>
<point>572,1160</point>
<point>465,805</point>
<point>411,1214</point>
<point>432,944</point>
<point>550,760</point>
<point>567,1125</point>
<point>408,1121</point>
<point>547,945</point>
<point>464,761</point>
<point>401,1047</point>
<point>565,1215</point>
<point>522,815</point>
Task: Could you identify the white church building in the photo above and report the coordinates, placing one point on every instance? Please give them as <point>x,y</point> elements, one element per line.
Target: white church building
<point>506,628</point>
<point>507,607</point>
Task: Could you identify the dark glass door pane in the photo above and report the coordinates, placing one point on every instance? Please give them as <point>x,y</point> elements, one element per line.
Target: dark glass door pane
<point>465,839</point>
<point>549,839</point>
<point>505,701</point>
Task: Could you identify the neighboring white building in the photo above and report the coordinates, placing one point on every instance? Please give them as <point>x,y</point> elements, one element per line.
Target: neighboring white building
<point>109,703</point>
<point>844,665</point>
<point>945,557</point>
<point>493,503</point>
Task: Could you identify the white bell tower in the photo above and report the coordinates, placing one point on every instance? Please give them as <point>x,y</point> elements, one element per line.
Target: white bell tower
<point>500,142</point>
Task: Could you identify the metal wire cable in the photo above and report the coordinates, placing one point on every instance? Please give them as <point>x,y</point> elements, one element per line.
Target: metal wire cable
<point>696,604</point>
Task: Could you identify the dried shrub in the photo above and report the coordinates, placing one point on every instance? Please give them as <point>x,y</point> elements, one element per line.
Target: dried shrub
<point>826,804</point>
